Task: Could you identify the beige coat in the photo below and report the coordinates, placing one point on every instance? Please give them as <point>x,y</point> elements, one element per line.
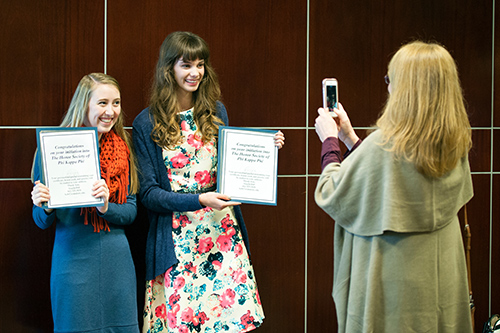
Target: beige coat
<point>399,263</point>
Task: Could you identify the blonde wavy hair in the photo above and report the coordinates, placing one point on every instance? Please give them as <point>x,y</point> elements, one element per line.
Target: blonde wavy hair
<point>164,106</point>
<point>424,119</point>
<point>78,111</point>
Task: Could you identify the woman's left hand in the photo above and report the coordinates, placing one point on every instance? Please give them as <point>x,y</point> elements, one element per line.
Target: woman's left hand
<point>279,139</point>
<point>101,190</point>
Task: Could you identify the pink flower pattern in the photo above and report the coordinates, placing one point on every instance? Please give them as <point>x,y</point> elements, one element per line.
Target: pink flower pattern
<point>205,245</point>
<point>203,178</point>
<point>179,160</point>
<point>239,276</point>
<point>161,311</point>
<point>227,298</point>
<point>224,243</point>
<point>184,126</point>
<point>194,141</point>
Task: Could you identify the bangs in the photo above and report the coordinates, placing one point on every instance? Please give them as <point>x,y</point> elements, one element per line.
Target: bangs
<point>194,50</point>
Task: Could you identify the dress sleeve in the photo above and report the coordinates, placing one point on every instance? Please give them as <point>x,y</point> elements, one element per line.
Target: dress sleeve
<point>121,214</point>
<point>41,218</point>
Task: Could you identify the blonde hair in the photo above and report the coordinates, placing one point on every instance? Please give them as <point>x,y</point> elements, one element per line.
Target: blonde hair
<point>78,112</point>
<point>164,106</point>
<point>424,119</point>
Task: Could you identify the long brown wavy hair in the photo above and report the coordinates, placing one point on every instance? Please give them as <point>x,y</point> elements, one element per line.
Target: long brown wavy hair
<point>424,119</point>
<point>164,106</point>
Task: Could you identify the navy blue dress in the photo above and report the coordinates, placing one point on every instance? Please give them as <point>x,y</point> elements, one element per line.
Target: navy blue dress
<point>93,282</point>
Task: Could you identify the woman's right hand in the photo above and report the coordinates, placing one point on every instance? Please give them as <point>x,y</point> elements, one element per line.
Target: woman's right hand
<point>216,200</point>
<point>346,133</point>
<point>325,125</point>
<point>40,194</point>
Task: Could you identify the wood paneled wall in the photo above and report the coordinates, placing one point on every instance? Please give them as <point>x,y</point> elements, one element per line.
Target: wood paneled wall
<point>270,57</point>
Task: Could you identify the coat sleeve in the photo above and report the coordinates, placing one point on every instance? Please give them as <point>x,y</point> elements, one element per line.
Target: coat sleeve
<point>155,191</point>
<point>326,186</point>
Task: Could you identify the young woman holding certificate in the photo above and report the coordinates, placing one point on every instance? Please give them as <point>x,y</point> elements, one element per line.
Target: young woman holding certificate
<point>93,284</point>
<point>199,274</point>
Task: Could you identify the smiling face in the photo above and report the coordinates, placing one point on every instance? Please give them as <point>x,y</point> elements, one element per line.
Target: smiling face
<point>104,108</point>
<point>188,75</point>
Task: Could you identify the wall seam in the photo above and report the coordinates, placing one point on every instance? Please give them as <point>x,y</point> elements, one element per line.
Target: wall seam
<point>491,156</point>
<point>306,243</point>
<point>105,36</point>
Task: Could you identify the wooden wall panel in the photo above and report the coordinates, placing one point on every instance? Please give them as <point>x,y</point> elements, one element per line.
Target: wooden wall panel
<point>495,250</point>
<point>495,221</point>
<point>47,48</point>
<point>480,154</point>
<point>277,246</point>
<point>17,146</point>
<point>25,254</point>
<point>478,214</point>
<point>354,40</point>
<point>496,157</point>
<point>496,74</point>
<point>320,306</point>
<point>258,51</point>
<point>293,161</point>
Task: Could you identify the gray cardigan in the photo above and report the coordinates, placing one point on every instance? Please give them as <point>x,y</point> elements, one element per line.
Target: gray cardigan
<point>156,195</point>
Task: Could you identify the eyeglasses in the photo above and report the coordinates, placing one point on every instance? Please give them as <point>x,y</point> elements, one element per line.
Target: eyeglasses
<point>386,78</point>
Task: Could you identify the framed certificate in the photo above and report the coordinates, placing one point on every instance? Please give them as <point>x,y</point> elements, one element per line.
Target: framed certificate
<point>247,165</point>
<point>69,164</point>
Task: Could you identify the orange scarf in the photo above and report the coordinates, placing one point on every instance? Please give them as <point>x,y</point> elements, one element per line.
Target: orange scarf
<point>114,158</point>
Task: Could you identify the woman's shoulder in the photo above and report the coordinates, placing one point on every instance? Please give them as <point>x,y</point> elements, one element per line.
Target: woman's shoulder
<point>220,107</point>
<point>221,111</point>
<point>143,119</point>
<point>374,135</point>
<point>373,139</point>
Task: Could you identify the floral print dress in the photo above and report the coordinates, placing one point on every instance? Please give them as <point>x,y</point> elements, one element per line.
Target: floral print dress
<point>213,287</point>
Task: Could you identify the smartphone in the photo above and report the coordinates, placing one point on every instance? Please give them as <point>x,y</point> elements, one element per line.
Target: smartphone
<point>330,94</point>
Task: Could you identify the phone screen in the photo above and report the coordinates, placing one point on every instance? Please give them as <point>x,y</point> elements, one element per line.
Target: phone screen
<point>330,94</point>
<point>331,97</point>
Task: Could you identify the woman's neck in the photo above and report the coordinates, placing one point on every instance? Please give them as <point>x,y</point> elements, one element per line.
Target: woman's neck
<point>185,100</point>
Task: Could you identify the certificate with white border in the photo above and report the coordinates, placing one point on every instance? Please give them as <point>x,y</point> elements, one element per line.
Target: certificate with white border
<point>69,164</point>
<point>247,165</point>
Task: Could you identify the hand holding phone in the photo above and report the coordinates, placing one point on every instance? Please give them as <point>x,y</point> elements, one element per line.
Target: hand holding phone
<point>330,94</point>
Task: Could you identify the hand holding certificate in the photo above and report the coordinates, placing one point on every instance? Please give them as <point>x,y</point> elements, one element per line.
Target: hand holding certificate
<point>248,165</point>
<point>69,160</point>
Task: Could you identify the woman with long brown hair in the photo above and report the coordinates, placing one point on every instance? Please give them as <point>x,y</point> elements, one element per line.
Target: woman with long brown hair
<point>198,270</point>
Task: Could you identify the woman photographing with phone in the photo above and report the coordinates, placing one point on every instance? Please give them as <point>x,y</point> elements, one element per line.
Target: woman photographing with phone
<point>198,270</point>
<point>399,262</point>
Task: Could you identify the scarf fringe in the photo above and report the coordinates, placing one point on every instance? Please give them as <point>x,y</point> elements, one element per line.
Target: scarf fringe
<point>97,222</point>
<point>114,158</point>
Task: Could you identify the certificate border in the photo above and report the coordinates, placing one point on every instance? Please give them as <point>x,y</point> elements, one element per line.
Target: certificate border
<point>42,163</point>
<point>221,165</point>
